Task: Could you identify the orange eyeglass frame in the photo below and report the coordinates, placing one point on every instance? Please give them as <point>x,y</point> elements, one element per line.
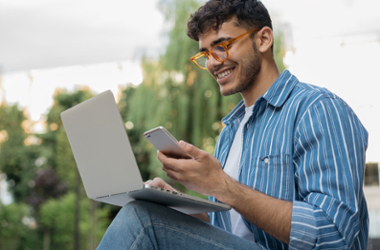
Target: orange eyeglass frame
<point>223,45</point>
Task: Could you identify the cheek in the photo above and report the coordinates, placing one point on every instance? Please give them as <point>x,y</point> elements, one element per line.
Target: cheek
<point>235,60</point>
<point>210,71</point>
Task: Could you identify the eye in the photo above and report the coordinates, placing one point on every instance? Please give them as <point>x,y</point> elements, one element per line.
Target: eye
<point>219,49</point>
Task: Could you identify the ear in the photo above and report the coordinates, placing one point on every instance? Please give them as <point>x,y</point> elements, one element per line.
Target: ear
<point>265,39</point>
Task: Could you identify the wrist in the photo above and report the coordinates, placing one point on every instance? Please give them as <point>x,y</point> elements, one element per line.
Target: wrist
<point>230,190</point>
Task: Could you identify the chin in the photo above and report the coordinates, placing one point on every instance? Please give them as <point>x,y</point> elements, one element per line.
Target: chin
<point>227,92</point>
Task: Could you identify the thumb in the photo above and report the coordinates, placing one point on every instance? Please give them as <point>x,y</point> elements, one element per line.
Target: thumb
<point>190,149</point>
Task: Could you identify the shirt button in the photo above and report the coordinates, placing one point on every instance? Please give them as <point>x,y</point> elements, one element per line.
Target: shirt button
<point>247,125</point>
<point>266,160</point>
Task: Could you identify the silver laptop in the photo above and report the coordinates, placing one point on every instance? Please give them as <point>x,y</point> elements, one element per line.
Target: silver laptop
<point>106,162</point>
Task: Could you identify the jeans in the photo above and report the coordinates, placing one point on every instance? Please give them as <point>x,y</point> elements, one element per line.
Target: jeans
<point>144,225</point>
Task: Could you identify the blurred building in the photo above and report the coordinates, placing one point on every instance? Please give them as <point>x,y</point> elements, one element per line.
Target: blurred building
<point>372,193</point>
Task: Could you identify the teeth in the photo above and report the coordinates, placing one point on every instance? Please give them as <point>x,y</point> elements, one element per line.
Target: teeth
<point>224,74</point>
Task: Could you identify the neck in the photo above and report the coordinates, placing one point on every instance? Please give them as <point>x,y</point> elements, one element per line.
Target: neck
<point>263,81</point>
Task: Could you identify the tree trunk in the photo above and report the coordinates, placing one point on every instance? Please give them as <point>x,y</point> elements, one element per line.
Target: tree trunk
<point>46,239</point>
<point>77,213</point>
<point>93,243</point>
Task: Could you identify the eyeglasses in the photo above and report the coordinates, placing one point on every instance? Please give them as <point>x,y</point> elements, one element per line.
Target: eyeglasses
<point>219,52</point>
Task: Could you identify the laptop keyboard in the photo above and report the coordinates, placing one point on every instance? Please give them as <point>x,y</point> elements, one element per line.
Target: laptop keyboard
<point>166,190</point>
<point>153,187</point>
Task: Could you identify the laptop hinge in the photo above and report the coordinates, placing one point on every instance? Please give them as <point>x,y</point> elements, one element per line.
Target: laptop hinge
<point>100,197</point>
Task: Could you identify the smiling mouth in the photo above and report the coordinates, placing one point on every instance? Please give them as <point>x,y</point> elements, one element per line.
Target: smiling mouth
<point>224,74</point>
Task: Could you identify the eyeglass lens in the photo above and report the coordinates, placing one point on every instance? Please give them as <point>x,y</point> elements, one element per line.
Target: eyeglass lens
<point>218,52</point>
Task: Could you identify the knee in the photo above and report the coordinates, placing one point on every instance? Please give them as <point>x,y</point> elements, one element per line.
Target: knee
<point>130,215</point>
<point>145,213</point>
<point>134,208</point>
<point>137,205</point>
<point>126,226</point>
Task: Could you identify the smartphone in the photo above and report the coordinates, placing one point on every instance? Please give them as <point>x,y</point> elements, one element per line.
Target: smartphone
<point>165,142</point>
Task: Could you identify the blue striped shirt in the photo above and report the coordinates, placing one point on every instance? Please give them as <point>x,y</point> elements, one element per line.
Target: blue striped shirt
<point>303,144</point>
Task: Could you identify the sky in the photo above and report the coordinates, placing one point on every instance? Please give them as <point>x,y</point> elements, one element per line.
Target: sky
<point>45,44</point>
<point>54,33</point>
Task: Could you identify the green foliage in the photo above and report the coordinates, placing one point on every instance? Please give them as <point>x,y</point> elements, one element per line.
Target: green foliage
<point>57,221</point>
<point>40,169</point>
<point>17,227</point>
<point>279,49</point>
<point>17,153</point>
<point>47,185</point>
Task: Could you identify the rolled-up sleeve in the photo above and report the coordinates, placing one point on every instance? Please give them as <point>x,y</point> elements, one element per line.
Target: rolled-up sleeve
<point>329,158</point>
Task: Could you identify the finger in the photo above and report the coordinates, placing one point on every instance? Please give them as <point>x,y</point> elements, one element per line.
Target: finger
<point>168,162</point>
<point>171,174</point>
<point>148,182</point>
<point>191,150</point>
<point>158,182</point>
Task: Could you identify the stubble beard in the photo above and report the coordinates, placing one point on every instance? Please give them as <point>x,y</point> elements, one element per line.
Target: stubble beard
<point>251,67</point>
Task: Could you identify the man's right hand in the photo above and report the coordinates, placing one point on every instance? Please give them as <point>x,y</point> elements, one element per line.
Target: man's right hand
<point>158,182</point>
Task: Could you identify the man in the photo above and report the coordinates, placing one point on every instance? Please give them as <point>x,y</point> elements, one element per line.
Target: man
<point>290,160</point>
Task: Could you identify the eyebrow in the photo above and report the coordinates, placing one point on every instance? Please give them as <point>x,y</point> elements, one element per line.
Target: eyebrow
<point>222,39</point>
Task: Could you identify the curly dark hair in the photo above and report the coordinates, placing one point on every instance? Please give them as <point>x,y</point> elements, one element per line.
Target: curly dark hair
<point>250,14</point>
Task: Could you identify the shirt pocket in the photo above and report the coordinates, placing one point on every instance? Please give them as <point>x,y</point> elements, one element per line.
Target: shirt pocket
<point>272,175</point>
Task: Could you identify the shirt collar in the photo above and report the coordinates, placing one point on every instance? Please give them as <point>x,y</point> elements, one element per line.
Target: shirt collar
<point>276,95</point>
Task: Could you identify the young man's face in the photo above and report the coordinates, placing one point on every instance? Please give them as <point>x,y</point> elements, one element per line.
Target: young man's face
<point>237,74</point>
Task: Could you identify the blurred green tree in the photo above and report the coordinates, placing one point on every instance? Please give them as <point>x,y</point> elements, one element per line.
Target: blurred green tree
<point>18,151</point>
<point>17,228</point>
<point>57,217</point>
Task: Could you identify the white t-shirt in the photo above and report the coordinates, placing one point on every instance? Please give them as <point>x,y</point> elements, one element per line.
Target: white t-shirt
<point>232,169</point>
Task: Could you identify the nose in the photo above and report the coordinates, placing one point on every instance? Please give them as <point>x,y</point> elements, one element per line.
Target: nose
<point>212,64</point>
